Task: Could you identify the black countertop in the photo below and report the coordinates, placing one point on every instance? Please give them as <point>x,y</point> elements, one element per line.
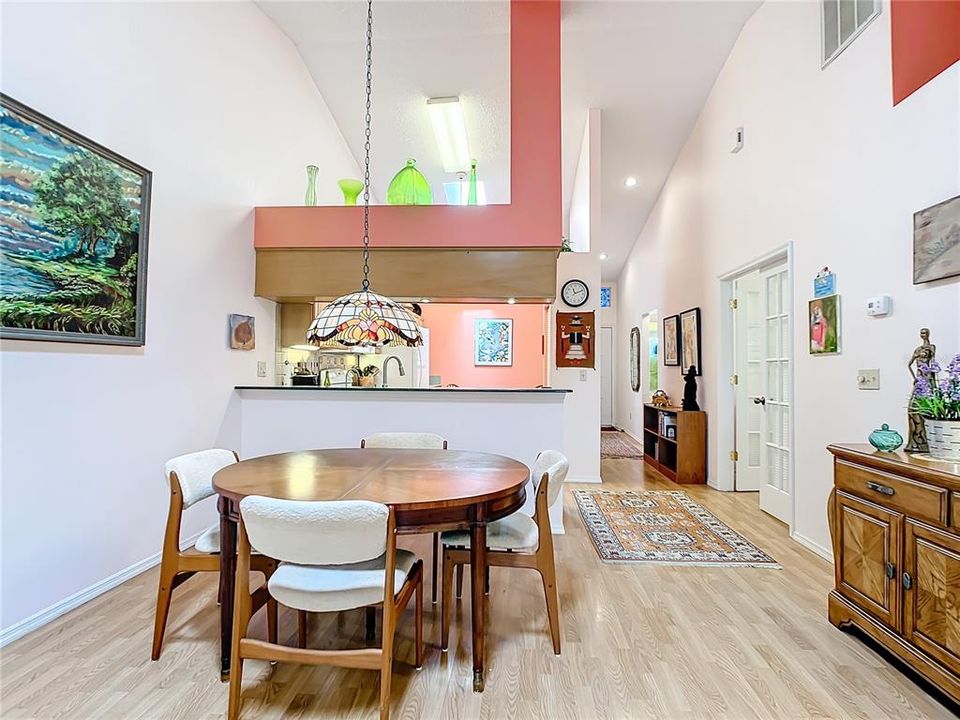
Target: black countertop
<point>320,388</point>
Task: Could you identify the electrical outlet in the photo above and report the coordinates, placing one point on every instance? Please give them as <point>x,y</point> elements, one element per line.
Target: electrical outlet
<point>261,368</point>
<point>583,376</point>
<point>868,379</point>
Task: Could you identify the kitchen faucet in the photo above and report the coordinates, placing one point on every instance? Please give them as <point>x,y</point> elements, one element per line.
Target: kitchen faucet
<point>386,363</point>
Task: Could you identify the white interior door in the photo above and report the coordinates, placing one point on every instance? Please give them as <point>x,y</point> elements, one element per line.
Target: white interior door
<point>776,401</point>
<point>748,321</point>
<point>606,376</point>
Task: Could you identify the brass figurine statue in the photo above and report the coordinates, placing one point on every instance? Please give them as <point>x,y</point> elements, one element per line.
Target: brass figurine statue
<point>923,355</point>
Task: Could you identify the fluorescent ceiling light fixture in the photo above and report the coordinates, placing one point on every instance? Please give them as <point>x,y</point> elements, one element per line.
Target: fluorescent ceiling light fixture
<point>630,182</point>
<point>458,192</point>
<point>603,256</point>
<point>446,114</point>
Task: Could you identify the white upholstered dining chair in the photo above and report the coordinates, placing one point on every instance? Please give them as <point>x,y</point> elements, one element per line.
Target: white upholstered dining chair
<point>413,441</point>
<point>518,541</point>
<point>191,480</point>
<point>336,555</point>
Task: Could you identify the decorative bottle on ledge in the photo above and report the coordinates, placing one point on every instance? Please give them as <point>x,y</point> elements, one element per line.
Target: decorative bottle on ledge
<point>310,199</point>
<point>409,187</point>
<point>351,189</point>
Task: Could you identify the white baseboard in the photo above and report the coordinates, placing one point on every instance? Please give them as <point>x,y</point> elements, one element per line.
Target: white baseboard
<point>809,544</point>
<point>47,615</point>
<point>639,440</point>
<point>584,479</point>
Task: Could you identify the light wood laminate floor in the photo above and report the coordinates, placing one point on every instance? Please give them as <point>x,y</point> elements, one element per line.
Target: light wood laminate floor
<point>638,642</point>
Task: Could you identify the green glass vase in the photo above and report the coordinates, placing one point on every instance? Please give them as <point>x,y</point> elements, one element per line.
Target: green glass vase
<point>351,189</point>
<point>409,187</point>
<point>310,198</point>
<point>472,189</point>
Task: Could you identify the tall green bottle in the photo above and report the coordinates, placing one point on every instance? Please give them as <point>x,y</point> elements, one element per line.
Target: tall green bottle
<point>472,190</point>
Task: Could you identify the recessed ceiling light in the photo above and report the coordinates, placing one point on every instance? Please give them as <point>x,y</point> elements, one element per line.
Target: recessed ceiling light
<point>511,301</point>
<point>631,181</point>
<point>446,114</point>
<point>424,299</point>
<point>603,256</point>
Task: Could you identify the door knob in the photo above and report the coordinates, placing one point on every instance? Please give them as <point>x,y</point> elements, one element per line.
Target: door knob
<point>760,400</point>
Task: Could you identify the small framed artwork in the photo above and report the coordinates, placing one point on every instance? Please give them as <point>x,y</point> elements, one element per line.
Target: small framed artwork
<point>671,340</point>
<point>690,340</point>
<point>936,242</point>
<point>493,342</point>
<point>824,325</point>
<point>635,359</point>
<point>243,334</point>
<point>575,339</point>
<point>73,239</point>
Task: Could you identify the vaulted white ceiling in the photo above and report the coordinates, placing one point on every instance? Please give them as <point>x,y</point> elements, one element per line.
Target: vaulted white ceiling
<point>647,65</point>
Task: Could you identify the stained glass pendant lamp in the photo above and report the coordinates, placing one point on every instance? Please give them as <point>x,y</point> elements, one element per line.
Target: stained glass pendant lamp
<point>364,318</point>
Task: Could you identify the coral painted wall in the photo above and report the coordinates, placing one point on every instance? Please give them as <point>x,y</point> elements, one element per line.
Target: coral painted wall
<point>451,345</point>
<point>925,41</point>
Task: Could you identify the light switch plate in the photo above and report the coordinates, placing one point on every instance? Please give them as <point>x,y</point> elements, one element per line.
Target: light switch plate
<point>583,376</point>
<point>261,368</point>
<point>868,379</point>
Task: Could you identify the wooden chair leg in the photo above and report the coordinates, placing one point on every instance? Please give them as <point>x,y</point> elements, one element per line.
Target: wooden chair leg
<point>301,628</point>
<point>236,676</point>
<point>436,560</point>
<point>548,573</point>
<point>372,624</point>
<point>386,670</point>
<point>446,602</point>
<point>273,621</point>
<point>486,581</point>
<point>459,581</point>
<point>164,595</point>
<point>418,598</point>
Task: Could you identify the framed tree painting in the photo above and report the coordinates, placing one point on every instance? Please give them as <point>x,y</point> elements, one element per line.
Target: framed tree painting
<point>493,341</point>
<point>73,235</point>
<point>690,340</point>
<point>671,340</point>
<point>936,242</point>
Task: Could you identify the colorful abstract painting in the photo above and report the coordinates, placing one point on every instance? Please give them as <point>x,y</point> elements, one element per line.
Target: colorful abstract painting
<point>73,234</point>
<point>824,327</point>
<point>493,341</point>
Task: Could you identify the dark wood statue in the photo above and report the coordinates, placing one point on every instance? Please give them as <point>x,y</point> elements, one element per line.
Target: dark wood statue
<point>690,390</point>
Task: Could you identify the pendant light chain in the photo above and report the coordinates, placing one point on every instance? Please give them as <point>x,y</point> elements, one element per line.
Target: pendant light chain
<point>366,151</point>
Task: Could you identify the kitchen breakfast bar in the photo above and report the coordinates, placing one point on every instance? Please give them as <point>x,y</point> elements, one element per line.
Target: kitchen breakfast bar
<point>514,422</point>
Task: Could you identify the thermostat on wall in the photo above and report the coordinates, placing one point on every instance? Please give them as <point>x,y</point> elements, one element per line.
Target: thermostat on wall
<point>878,306</point>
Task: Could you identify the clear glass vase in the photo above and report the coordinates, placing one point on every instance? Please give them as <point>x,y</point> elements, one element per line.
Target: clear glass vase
<point>310,198</point>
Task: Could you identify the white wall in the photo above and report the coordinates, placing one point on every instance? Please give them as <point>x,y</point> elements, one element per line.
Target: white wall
<point>830,165</point>
<point>215,100</point>
<point>585,194</point>
<point>582,407</point>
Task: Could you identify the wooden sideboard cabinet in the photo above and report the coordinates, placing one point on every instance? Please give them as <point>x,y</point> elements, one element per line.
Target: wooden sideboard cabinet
<point>895,525</point>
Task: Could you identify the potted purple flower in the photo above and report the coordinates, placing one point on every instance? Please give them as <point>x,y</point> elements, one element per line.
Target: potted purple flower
<point>937,400</point>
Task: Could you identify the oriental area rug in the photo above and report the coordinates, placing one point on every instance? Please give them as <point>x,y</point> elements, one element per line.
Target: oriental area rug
<point>665,527</point>
<point>615,444</point>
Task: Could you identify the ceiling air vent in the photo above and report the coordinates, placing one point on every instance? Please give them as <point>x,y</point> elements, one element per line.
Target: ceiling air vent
<point>841,21</point>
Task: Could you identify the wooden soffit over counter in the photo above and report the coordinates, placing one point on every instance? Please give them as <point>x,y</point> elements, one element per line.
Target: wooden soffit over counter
<point>443,275</point>
<point>459,253</point>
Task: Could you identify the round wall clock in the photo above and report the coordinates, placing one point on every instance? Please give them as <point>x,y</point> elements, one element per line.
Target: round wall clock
<point>575,293</point>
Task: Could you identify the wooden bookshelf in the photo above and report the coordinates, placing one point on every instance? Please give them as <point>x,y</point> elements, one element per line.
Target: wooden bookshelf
<point>680,455</point>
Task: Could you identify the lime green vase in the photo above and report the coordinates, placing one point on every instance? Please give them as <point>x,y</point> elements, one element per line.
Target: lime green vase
<point>472,188</point>
<point>351,189</point>
<point>409,187</point>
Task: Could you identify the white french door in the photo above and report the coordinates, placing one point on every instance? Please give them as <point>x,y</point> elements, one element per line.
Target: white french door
<point>749,363</point>
<point>776,400</point>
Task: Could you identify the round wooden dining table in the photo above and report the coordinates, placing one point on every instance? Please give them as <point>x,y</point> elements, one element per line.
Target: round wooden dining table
<point>429,491</point>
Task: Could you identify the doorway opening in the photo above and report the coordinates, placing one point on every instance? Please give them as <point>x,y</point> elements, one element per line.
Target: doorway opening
<point>756,413</point>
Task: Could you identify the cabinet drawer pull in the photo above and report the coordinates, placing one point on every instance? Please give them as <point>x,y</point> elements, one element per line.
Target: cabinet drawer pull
<point>891,570</point>
<point>907,581</point>
<point>877,487</point>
